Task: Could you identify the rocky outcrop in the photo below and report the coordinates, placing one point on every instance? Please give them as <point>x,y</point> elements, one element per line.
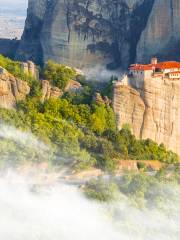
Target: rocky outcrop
<point>132,165</point>
<point>161,36</point>
<point>129,108</point>
<point>49,91</point>
<point>30,68</point>
<point>30,46</point>
<point>11,89</point>
<point>101,99</point>
<point>153,111</point>
<point>84,33</point>
<point>73,86</point>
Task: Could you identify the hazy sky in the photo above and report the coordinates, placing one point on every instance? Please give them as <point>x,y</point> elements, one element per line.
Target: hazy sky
<point>12,5</point>
<point>13,2</point>
<point>15,6</point>
<point>12,18</point>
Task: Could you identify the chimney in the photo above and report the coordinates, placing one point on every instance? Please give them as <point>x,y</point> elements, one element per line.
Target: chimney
<point>154,61</point>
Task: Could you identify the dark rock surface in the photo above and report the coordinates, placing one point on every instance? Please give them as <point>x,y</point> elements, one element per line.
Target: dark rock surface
<point>83,33</point>
<point>113,33</point>
<point>8,47</point>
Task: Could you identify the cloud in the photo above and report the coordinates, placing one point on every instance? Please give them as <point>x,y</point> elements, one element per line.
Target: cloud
<point>33,208</point>
<point>101,73</point>
<point>60,211</point>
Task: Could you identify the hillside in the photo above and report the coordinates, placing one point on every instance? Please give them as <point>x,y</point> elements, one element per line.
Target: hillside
<point>86,154</point>
<point>80,128</point>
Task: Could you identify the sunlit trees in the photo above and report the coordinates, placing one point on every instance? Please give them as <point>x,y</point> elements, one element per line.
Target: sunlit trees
<point>58,74</point>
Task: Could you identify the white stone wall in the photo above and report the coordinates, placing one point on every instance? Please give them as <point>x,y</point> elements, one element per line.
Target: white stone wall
<point>174,75</point>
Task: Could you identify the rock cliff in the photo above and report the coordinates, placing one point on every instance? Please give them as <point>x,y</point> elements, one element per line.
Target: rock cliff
<point>49,91</point>
<point>84,33</point>
<point>106,32</point>
<point>11,89</point>
<point>161,36</point>
<point>153,110</point>
<point>30,68</point>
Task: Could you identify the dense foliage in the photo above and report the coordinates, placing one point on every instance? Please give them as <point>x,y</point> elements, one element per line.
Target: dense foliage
<point>103,191</point>
<point>80,131</point>
<point>14,67</point>
<point>58,74</point>
<point>143,189</point>
<point>84,134</point>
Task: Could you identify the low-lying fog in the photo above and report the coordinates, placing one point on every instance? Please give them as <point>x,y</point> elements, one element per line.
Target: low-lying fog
<point>31,210</point>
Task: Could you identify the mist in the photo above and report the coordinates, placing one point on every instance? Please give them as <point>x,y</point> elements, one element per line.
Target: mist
<point>33,208</point>
<point>101,73</point>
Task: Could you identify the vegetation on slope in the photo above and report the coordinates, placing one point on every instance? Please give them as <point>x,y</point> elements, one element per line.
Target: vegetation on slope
<point>58,74</point>
<point>14,68</point>
<point>143,189</point>
<point>81,132</point>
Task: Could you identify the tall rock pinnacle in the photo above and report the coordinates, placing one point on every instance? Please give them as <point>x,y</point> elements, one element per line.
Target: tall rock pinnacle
<point>84,33</point>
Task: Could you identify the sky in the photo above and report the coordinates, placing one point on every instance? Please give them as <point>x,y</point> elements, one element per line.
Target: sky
<point>12,18</point>
<point>13,2</point>
<point>13,5</point>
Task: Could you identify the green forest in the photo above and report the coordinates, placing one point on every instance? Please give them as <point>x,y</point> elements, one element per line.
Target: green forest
<point>143,190</point>
<point>75,126</point>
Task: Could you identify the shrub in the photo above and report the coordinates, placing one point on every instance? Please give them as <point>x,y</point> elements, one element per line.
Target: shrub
<point>101,191</point>
<point>58,74</point>
<point>141,165</point>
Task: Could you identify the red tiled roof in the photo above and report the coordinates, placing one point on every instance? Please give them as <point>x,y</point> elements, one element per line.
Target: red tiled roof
<point>161,65</point>
<point>168,65</point>
<point>140,67</point>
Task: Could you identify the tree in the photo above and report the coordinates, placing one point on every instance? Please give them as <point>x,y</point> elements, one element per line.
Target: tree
<point>58,74</point>
<point>141,165</point>
<point>101,191</point>
<point>102,119</point>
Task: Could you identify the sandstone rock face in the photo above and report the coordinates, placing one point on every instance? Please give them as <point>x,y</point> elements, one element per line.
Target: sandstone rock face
<point>153,111</point>
<point>129,108</point>
<point>49,91</point>
<point>30,68</point>
<point>11,89</point>
<point>161,36</point>
<point>84,33</point>
<point>73,86</point>
<point>101,99</point>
